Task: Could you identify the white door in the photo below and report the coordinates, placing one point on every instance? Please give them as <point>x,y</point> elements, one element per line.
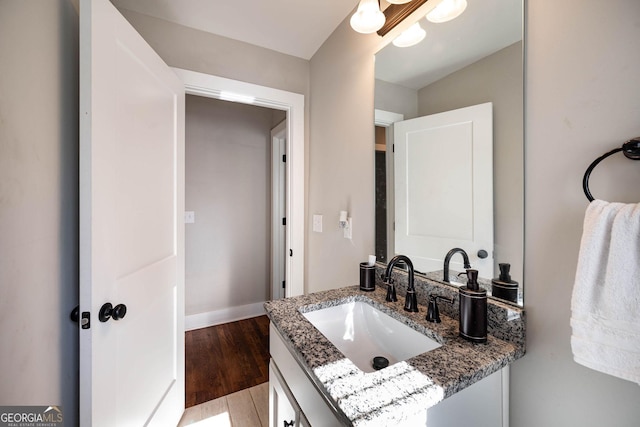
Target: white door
<point>131,233</point>
<point>444,188</point>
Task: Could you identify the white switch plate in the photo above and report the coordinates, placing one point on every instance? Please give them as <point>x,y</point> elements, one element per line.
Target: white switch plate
<point>348,230</point>
<point>189,217</point>
<point>317,223</point>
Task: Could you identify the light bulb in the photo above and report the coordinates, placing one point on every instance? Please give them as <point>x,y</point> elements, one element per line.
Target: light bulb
<point>447,10</point>
<point>411,36</point>
<point>368,18</point>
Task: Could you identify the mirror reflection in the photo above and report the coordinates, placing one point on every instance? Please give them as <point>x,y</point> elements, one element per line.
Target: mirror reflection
<point>449,148</point>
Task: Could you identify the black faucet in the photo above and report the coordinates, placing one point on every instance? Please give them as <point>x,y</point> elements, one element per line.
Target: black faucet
<point>447,259</point>
<point>411,303</point>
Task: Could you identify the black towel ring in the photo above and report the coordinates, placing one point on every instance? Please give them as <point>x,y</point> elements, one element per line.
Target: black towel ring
<point>631,150</point>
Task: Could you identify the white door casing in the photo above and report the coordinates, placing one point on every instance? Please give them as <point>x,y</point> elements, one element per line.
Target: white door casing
<point>278,210</point>
<point>444,188</point>
<point>131,228</point>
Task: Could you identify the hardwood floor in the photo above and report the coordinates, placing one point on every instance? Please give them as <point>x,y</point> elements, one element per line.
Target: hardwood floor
<point>225,359</point>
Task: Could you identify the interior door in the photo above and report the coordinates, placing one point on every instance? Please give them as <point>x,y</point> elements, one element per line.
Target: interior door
<point>444,188</point>
<point>131,233</point>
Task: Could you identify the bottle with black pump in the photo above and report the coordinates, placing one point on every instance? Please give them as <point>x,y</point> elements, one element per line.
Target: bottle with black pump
<point>473,309</point>
<point>503,287</point>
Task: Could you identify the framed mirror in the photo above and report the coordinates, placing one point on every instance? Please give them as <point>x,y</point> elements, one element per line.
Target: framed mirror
<point>473,60</point>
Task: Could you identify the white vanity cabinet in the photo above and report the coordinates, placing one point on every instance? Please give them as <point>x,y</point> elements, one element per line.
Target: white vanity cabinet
<point>283,408</point>
<point>294,398</point>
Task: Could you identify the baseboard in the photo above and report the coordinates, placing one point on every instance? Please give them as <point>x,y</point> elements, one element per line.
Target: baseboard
<point>226,315</point>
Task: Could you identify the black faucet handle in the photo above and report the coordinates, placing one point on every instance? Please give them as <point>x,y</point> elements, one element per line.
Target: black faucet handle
<point>387,279</point>
<point>391,292</point>
<point>433,312</point>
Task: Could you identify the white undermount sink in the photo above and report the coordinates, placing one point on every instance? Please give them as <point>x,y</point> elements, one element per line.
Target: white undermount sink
<point>362,332</point>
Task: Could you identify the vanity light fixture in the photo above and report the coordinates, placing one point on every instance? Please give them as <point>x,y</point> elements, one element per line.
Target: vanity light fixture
<point>446,11</point>
<point>398,1</point>
<point>368,18</point>
<point>411,36</point>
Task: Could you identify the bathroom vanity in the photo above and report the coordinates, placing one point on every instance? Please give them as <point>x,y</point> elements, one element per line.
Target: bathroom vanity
<point>313,383</point>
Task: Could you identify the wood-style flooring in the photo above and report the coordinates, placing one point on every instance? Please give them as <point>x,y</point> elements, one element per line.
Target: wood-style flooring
<point>246,408</point>
<point>225,359</point>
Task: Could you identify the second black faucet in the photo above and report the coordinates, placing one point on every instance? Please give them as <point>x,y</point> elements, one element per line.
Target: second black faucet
<point>411,302</point>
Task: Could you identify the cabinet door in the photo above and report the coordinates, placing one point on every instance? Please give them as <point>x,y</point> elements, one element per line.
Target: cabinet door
<point>283,409</point>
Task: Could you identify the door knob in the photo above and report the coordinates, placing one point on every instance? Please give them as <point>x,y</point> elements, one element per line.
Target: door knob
<point>108,311</point>
<point>482,254</point>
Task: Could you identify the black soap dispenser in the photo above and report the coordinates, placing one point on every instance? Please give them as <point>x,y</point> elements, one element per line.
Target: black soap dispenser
<point>503,287</point>
<point>473,309</point>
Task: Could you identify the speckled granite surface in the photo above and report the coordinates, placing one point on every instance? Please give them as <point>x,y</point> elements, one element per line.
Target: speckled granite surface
<point>392,394</point>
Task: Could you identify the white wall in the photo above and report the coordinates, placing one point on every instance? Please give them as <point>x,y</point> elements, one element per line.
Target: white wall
<point>581,100</point>
<point>39,204</point>
<point>228,186</point>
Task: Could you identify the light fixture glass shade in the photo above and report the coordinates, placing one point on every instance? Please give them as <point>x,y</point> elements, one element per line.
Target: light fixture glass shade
<point>368,18</point>
<point>398,1</point>
<point>411,36</point>
<point>447,10</point>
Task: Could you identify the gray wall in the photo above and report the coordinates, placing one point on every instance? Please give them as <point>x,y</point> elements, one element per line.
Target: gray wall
<point>396,98</point>
<point>496,79</point>
<point>582,99</point>
<point>341,166</point>
<point>39,204</point>
<point>228,185</point>
<point>582,61</point>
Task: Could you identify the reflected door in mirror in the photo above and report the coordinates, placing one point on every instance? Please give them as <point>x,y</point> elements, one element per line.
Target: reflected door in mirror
<point>444,187</point>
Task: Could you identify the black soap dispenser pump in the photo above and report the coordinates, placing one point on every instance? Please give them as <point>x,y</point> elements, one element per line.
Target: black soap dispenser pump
<point>503,287</point>
<point>473,309</point>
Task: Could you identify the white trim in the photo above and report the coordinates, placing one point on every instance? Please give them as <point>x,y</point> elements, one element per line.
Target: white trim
<point>293,103</point>
<point>225,315</point>
<point>386,119</point>
<point>505,396</point>
<point>278,202</point>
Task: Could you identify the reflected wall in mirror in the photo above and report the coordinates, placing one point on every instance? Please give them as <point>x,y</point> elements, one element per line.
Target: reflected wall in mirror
<point>475,59</point>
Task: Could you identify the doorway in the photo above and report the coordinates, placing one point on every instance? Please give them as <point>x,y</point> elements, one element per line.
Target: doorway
<point>228,199</point>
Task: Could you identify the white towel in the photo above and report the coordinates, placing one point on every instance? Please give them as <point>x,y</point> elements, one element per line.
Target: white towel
<point>605,306</point>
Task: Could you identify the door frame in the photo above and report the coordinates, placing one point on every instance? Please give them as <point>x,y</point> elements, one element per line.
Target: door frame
<point>278,209</point>
<point>386,119</point>
<point>215,87</point>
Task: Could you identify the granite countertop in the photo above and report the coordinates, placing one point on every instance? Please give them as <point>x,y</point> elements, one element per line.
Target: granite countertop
<point>400,390</point>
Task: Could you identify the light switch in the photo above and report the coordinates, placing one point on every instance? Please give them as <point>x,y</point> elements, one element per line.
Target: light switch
<point>317,223</point>
<point>189,217</point>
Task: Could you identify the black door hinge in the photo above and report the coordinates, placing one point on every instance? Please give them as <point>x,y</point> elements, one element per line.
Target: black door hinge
<point>393,148</point>
<point>284,158</point>
<point>283,284</point>
<point>284,221</point>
